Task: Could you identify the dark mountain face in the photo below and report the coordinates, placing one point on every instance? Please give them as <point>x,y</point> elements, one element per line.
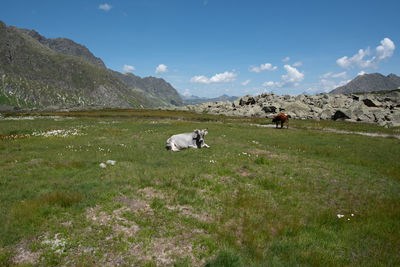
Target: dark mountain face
<point>40,72</point>
<point>369,83</point>
<point>66,47</point>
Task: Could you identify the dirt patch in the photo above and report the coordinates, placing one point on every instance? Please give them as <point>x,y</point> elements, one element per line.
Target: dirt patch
<point>185,210</point>
<point>244,172</point>
<point>164,251</point>
<point>24,256</point>
<point>115,220</point>
<point>136,206</point>
<point>150,193</point>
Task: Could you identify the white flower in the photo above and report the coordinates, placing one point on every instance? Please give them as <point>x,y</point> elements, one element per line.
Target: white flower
<point>102,165</point>
<point>340,216</point>
<point>352,214</point>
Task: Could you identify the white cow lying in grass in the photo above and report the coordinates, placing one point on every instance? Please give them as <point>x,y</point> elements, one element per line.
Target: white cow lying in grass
<point>185,140</point>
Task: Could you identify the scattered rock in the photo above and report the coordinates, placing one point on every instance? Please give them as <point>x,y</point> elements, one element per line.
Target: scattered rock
<point>368,107</point>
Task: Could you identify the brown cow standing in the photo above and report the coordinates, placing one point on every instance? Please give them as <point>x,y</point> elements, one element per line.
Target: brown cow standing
<point>281,117</point>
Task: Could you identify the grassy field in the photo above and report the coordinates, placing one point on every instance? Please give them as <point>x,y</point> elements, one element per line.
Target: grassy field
<point>259,196</point>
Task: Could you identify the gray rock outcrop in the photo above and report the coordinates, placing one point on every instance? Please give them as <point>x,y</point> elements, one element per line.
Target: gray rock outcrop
<point>383,108</point>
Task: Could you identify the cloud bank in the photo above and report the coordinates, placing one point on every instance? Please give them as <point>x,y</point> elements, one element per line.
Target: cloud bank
<point>262,67</point>
<point>217,78</point>
<point>366,59</point>
<point>292,78</point>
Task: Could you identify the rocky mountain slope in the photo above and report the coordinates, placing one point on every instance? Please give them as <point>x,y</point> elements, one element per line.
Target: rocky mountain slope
<point>369,83</point>
<point>36,72</point>
<point>382,108</point>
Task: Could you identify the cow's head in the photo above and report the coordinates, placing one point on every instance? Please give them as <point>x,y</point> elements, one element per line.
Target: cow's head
<point>199,136</point>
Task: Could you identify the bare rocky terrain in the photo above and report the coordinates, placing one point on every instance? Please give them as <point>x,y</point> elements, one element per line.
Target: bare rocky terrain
<point>381,108</point>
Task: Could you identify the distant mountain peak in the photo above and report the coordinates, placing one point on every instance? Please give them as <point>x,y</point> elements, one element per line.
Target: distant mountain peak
<point>369,83</point>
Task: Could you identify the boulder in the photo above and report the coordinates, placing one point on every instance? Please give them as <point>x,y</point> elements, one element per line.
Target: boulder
<point>370,102</point>
<point>340,115</point>
<point>247,100</point>
<point>269,109</point>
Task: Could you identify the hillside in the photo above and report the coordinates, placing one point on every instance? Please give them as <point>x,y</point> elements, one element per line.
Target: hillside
<point>369,83</point>
<point>37,72</point>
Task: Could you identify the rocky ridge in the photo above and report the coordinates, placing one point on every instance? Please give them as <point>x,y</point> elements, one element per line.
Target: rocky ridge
<point>41,73</point>
<point>382,108</point>
<point>369,83</point>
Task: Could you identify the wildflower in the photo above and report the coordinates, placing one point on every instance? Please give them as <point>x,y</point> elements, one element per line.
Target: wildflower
<point>111,162</point>
<point>340,216</point>
<point>102,165</point>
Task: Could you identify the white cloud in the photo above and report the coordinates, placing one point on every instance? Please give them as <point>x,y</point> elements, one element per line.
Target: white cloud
<point>161,69</point>
<point>105,7</point>
<point>286,59</point>
<point>361,73</point>
<point>187,93</point>
<point>341,75</point>
<point>245,83</point>
<point>266,66</point>
<point>293,77</point>
<point>269,84</point>
<point>382,52</point>
<point>385,50</point>
<point>297,64</point>
<point>128,68</point>
<point>325,86</point>
<point>217,78</point>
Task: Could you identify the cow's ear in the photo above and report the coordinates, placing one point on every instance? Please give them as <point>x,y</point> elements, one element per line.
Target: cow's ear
<point>197,131</point>
<point>205,131</point>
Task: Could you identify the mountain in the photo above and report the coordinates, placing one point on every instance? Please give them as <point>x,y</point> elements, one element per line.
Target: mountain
<point>194,100</point>
<point>369,83</point>
<point>36,72</point>
<point>157,91</point>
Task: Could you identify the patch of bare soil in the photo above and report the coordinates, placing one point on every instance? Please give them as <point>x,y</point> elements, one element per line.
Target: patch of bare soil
<point>185,210</point>
<point>243,171</point>
<point>165,250</point>
<point>118,223</point>
<point>135,205</point>
<point>150,193</point>
<point>24,256</point>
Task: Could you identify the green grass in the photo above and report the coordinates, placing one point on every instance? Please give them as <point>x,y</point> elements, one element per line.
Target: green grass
<point>259,196</point>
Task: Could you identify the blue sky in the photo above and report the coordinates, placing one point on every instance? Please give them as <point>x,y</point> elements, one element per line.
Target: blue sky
<point>214,47</point>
